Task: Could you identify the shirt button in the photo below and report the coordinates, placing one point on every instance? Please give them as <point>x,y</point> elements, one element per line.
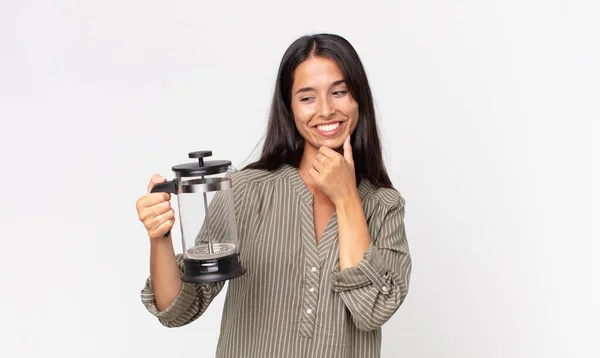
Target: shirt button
<point>309,311</point>
<point>312,289</point>
<point>313,269</point>
<point>385,289</point>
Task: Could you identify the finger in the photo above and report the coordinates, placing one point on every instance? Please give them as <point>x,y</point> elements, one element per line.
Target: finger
<point>150,212</point>
<point>152,199</point>
<point>320,167</point>
<point>162,229</point>
<point>348,151</point>
<point>315,175</point>
<point>156,179</point>
<point>327,152</point>
<point>322,159</point>
<point>161,208</point>
<point>153,223</point>
<point>145,203</point>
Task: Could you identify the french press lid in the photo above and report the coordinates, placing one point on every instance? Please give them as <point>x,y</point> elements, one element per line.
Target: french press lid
<point>201,167</point>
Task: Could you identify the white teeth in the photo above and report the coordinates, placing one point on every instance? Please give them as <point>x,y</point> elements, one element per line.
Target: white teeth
<point>328,127</point>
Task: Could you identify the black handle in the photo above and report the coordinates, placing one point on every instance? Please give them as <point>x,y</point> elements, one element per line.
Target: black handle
<point>166,187</point>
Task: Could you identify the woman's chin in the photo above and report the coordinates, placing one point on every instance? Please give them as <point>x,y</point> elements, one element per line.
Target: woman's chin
<point>333,143</point>
<point>336,144</point>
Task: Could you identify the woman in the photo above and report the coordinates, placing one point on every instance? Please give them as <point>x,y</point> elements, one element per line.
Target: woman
<point>320,227</point>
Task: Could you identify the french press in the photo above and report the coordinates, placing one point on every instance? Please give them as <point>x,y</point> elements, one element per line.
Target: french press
<point>207,219</point>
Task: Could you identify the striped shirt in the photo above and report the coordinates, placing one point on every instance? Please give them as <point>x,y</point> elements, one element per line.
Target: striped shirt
<point>293,301</point>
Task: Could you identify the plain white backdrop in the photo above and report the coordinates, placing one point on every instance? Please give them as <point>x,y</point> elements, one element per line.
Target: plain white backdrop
<point>489,119</point>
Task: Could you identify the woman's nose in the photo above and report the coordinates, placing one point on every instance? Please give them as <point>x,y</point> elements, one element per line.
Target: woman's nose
<point>326,108</point>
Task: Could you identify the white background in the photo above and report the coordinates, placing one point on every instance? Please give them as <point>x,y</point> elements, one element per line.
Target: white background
<point>489,119</point>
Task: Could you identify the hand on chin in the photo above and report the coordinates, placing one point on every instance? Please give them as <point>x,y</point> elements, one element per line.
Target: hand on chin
<point>333,172</point>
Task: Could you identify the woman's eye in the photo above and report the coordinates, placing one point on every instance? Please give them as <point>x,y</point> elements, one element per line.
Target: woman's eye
<point>339,93</point>
<point>306,99</point>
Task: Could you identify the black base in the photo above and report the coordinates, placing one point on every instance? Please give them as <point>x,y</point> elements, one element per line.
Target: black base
<point>221,269</point>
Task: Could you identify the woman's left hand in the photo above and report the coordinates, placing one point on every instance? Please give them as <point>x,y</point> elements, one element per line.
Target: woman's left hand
<point>334,174</point>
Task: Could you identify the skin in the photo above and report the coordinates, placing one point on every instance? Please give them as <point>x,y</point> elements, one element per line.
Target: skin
<point>157,215</point>
<point>319,96</point>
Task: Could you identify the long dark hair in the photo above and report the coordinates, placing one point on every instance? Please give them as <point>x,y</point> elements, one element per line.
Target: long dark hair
<point>284,144</point>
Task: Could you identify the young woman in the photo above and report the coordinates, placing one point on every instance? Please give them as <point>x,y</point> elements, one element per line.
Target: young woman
<point>321,229</point>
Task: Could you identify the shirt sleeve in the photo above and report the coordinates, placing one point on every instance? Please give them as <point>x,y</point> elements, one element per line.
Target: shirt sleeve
<point>190,303</point>
<point>375,288</point>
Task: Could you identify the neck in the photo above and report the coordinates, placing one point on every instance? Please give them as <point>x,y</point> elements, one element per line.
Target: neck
<point>308,157</point>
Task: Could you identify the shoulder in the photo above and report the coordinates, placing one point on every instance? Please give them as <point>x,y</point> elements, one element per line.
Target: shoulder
<point>388,198</point>
<point>248,177</point>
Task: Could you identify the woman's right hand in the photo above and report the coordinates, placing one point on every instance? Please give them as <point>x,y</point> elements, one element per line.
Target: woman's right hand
<point>154,210</point>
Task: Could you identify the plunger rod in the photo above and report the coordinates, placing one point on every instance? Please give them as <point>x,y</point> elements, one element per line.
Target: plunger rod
<point>208,228</point>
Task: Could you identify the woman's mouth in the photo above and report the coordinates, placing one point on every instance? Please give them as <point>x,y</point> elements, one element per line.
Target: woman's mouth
<point>329,130</point>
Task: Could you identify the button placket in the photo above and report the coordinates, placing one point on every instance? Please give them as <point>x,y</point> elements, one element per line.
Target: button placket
<point>312,271</point>
<point>311,295</point>
<point>313,278</point>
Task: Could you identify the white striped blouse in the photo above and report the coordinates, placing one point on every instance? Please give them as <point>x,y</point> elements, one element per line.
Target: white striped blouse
<point>293,301</point>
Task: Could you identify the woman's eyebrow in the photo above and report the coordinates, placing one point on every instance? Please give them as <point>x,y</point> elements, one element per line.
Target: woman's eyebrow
<point>308,89</point>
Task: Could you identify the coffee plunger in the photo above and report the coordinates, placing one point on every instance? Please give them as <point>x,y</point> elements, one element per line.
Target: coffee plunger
<point>207,219</point>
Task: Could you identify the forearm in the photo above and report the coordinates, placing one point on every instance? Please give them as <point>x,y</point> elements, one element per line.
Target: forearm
<point>353,231</point>
<point>174,302</point>
<point>375,288</point>
<point>164,271</point>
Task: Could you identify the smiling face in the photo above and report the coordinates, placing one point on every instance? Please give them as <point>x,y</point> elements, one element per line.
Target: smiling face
<point>324,111</point>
